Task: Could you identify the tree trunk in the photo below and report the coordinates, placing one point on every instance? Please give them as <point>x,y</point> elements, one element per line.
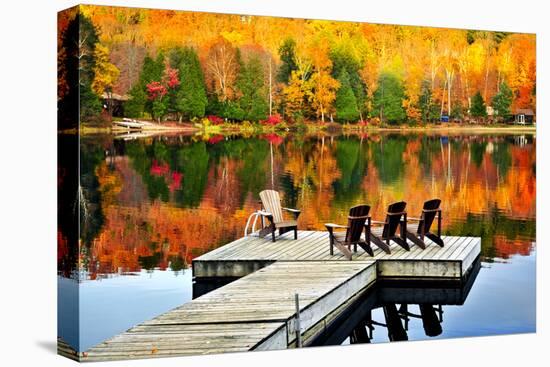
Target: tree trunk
<point>449,100</point>
<point>449,86</point>
<point>486,81</point>
<point>270,89</point>
<point>443,99</point>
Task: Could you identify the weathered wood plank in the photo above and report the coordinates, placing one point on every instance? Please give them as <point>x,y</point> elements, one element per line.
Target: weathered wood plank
<point>256,312</point>
<point>251,253</point>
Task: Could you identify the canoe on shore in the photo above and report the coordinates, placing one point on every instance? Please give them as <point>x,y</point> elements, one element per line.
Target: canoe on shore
<point>136,125</point>
<point>132,124</point>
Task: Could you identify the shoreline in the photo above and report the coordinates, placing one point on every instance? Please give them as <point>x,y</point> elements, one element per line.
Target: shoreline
<point>344,129</point>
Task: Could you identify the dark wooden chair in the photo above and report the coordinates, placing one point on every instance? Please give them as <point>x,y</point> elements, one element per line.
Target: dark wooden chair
<point>353,235</point>
<point>273,212</point>
<point>416,234</point>
<point>395,217</point>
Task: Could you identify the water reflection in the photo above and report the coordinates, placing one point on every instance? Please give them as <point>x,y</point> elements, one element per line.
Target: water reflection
<point>146,207</point>
<point>163,200</point>
<point>91,311</point>
<point>389,308</point>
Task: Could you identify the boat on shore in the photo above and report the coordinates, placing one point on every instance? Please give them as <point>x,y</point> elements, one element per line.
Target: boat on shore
<point>131,124</point>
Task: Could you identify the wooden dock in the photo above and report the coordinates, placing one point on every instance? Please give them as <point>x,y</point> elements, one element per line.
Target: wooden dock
<point>248,254</point>
<point>258,311</point>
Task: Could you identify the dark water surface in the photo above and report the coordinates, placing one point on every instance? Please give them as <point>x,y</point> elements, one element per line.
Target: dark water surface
<point>153,204</point>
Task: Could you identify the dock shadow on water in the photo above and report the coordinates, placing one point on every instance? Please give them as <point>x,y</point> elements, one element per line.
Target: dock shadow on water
<point>151,205</point>
<point>387,311</point>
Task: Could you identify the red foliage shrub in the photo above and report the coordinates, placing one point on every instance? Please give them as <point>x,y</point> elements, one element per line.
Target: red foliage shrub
<point>176,181</point>
<point>272,120</point>
<point>159,169</point>
<point>215,120</point>
<point>273,138</point>
<point>171,77</point>
<point>155,90</point>
<point>215,139</point>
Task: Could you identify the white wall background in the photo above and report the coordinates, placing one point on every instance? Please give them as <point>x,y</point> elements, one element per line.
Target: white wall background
<point>28,180</point>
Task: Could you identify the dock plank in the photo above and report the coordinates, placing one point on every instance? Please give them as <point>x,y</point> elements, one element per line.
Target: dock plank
<point>252,313</point>
<point>257,311</point>
<point>252,253</point>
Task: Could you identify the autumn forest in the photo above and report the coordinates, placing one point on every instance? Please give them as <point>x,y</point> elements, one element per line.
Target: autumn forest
<point>150,202</point>
<point>212,68</point>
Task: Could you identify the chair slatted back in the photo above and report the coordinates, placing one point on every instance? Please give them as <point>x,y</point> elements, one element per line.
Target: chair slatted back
<point>392,221</point>
<point>356,222</point>
<point>429,212</point>
<point>271,202</point>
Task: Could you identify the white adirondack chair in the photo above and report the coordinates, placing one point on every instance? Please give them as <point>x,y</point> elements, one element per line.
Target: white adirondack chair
<point>273,212</point>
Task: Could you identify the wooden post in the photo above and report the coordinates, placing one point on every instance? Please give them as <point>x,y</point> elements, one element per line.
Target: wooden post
<point>298,327</point>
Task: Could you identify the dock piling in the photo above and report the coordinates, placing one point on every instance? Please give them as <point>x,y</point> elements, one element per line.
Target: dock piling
<point>298,327</point>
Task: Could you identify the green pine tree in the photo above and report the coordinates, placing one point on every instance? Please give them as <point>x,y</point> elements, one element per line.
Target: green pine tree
<point>232,110</point>
<point>342,59</point>
<point>251,85</point>
<point>138,103</point>
<point>478,108</point>
<point>287,53</point>
<point>428,108</point>
<point>78,43</point>
<point>90,105</point>
<point>345,103</point>
<point>189,98</point>
<point>135,106</point>
<point>388,99</point>
<point>502,101</point>
<point>458,111</point>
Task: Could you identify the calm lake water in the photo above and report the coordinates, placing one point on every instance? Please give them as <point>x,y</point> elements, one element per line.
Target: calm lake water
<point>155,203</point>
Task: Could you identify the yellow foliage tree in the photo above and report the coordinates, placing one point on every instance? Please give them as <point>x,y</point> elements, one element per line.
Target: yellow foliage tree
<point>106,74</point>
<point>323,85</point>
<point>323,93</point>
<point>295,93</point>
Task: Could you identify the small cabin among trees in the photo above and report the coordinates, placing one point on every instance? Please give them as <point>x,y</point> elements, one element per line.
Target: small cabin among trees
<point>114,103</point>
<point>524,116</point>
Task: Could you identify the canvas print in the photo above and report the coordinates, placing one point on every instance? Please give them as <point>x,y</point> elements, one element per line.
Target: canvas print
<point>233,183</point>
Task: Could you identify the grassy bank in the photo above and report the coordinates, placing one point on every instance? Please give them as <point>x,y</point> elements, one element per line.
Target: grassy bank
<point>443,128</point>
<point>248,128</point>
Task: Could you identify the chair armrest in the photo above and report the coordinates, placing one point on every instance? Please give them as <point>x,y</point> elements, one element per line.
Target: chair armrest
<point>264,213</point>
<point>416,219</point>
<point>332,225</point>
<point>295,212</point>
<point>438,210</point>
<point>292,210</point>
<point>377,222</point>
<point>398,213</point>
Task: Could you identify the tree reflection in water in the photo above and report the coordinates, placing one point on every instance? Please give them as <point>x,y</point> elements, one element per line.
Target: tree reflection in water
<point>152,200</point>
